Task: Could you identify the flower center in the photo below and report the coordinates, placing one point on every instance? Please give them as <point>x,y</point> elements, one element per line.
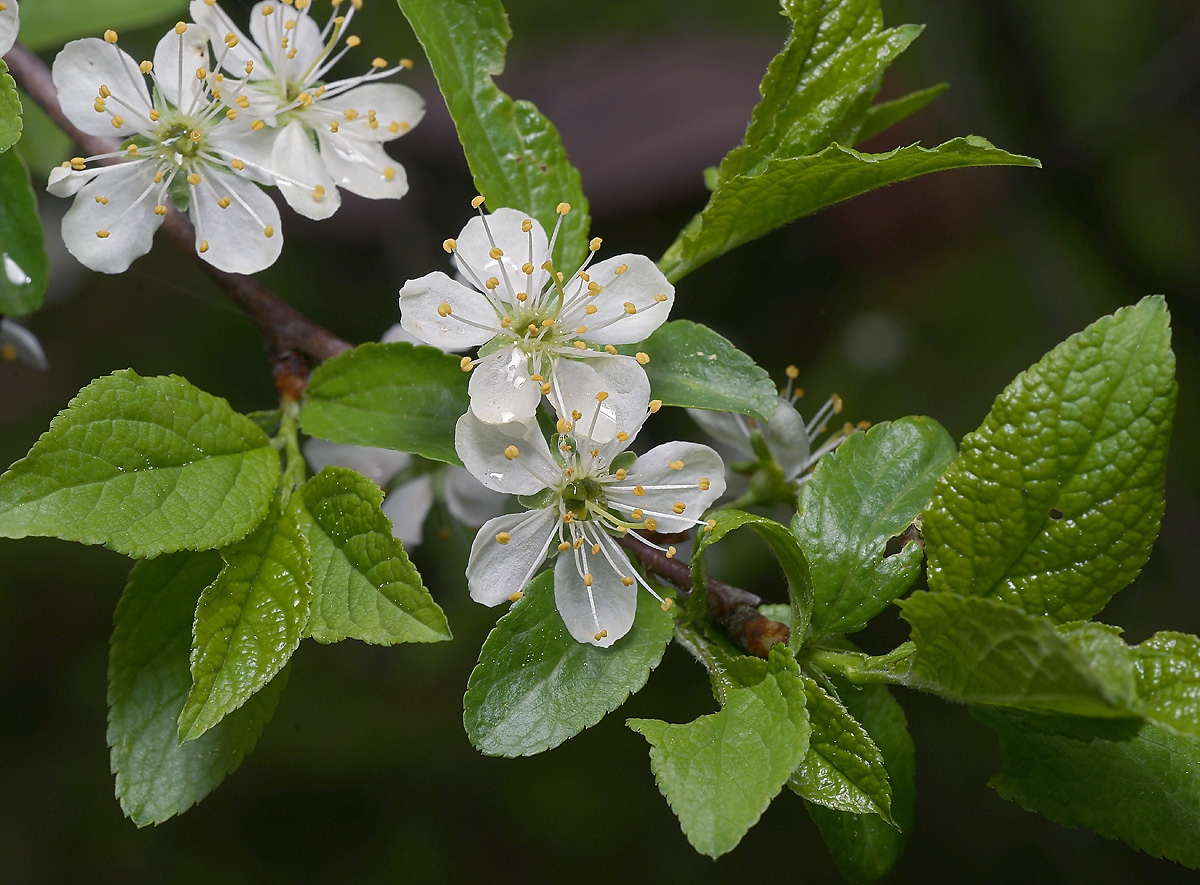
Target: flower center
<point>578,494</point>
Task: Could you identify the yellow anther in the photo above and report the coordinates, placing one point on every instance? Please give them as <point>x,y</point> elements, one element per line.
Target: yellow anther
<point>637,514</point>
<point>99,105</point>
<point>378,63</point>
<point>563,426</point>
<point>304,99</point>
<point>564,546</point>
<point>193,179</point>
<point>704,484</point>
<point>545,388</point>
<point>513,597</point>
<point>118,121</point>
<point>249,66</point>
<point>201,73</point>
<point>660,298</point>
<point>671,551</point>
<point>103,201</point>
<point>154,115</point>
<point>505,321</point>
<point>562,208</point>
<point>333,127</point>
<point>242,101</point>
<point>110,36</point>
<point>666,604</point>
<point>219,77</point>
<point>196,134</point>
<point>449,244</point>
<point>547,323</point>
<point>231,40</point>
<point>257,125</point>
<point>444,309</point>
<point>602,634</point>
<point>132,150</point>
<point>268,9</point>
<point>590,309</point>
<point>353,40</point>
<point>620,474</point>
<point>581,330</point>
<point>180,27</point>
<point>319,192</point>
<point>587,582</point>
<point>223,202</point>
<point>863,425</point>
<point>393,126</point>
<point>511,452</point>
<point>477,201</point>
<point>622,436</point>
<point>290,24</point>
<point>576,414</point>
<point>102,234</point>
<point>580,345</point>
<point>268,231</point>
<point>406,63</point>
<point>158,177</point>
<point>792,372</point>
<point>526,227</point>
<point>503,537</point>
<point>709,525</point>
<point>527,268</point>
<point>105,92</point>
<point>231,113</point>
<point>639,491</point>
<point>676,465</point>
<point>593,287</point>
<point>389,172</point>
<point>629,308</point>
<point>536,377</point>
<point>595,549</point>
<point>158,210</point>
<point>465,364</point>
<point>627,581</point>
<point>237,164</point>
<point>610,349</point>
<point>651,523</point>
<point>146,67</point>
<point>621,269</point>
<point>837,404</point>
<point>678,507</point>
<point>496,252</point>
<point>203,247</point>
<point>584,276</point>
<point>491,283</point>
<point>521,296</point>
<point>548,265</point>
<point>642,357</point>
<point>602,396</point>
<point>594,245</point>
<point>655,405</point>
<point>533,329</point>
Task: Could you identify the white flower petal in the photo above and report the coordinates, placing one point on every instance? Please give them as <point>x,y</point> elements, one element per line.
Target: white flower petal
<point>82,68</point>
<point>9,23</point>
<point>640,286</point>
<point>237,141</point>
<point>607,607</point>
<point>495,571</point>
<point>362,167</point>
<point>501,389</point>
<point>474,247</point>
<point>176,59</point>
<point>66,182</point>
<point>422,299</point>
<point>407,507</point>
<point>237,236</point>
<point>25,344</point>
<point>377,465</point>
<point>300,174</point>
<point>213,19</point>
<point>787,440</point>
<point>486,450</point>
<point>727,428</point>
<point>654,468</point>
<point>117,204</point>
<point>468,500</point>
<point>269,31</point>
<point>624,408</point>
<point>397,109</point>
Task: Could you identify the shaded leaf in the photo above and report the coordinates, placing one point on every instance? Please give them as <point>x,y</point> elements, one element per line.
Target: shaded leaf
<point>48,24</point>
<point>10,110</point>
<point>23,262</point>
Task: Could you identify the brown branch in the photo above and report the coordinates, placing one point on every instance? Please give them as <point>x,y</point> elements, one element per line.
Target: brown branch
<point>286,332</point>
<point>733,609</point>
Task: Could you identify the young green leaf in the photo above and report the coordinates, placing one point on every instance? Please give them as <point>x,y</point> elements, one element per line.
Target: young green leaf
<point>248,621</point>
<point>47,24</point>
<point>843,770</point>
<point>786,549</point>
<point>10,111</point>
<point>364,587</point>
<point>864,847</point>
<point>1122,779</point>
<point>394,396</point>
<point>515,153</point>
<point>861,495</point>
<point>887,114</point>
<point>535,686</point>
<point>720,772</point>
<point>148,680</point>
<point>746,207</point>
<point>144,466</point>
<point>1168,682</point>
<point>1056,499</point>
<point>694,367</point>
<point>22,246</point>
<point>984,651</point>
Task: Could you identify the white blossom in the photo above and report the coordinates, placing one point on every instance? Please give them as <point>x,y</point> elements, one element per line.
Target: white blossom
<point>331,133</point>
<point>541,324</point>
<point>184,146</point>
<point>587,504</point>
<point>18,343</point>
<point>10,22</point>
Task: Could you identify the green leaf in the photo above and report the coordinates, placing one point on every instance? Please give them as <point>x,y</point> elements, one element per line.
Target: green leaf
<point>535,686</point>
<point>817,89</point>
<point>720,772</point>
<point>1168,682</point>
<point>364,587</point>
<point>887,114</point>
<point>843,770</point>
<point>1124,780</point>
<point>748,206</point>
<point>248,621</point>
<point>864,846</point>
<point>394,396</point>
<point>1055,501</point>
<point>10,110</point>
<point>22,246</point>
<point>984,651</point>
<point>786,549</point>
<point>694,367</point>
<point>862,494</point>
<point>144,466</point>
<point>148,680</point>
<point>515,153</point>
<point>48,24</point>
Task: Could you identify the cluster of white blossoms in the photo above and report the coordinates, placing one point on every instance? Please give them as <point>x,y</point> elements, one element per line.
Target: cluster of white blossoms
<point>203,130</point>
<point>543,334</point>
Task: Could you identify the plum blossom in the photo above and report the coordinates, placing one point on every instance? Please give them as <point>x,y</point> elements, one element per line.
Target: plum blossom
<point>10,21</point>
<point>587,503</point>
<point>18,343</point>
<point>541,324</point>
<point>331,134</point>
<point>184,146</point>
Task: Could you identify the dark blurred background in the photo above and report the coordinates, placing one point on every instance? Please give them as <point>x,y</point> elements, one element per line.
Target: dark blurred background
<point>926,298</point>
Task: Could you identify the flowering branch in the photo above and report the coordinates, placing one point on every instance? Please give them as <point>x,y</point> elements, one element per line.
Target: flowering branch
<point>733,609</point>
<point>292,340</point>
